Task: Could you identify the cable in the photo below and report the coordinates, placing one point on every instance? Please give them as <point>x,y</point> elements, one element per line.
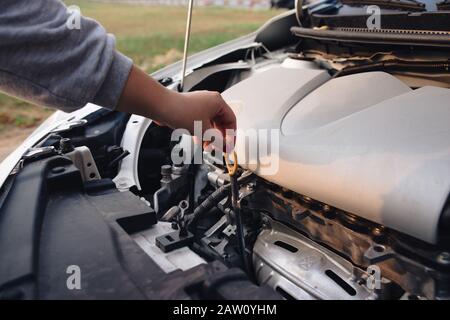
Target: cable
<point>214,198</point>
<point>237,209</point>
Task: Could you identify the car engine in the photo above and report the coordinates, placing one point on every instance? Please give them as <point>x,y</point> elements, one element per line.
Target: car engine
<point>300,247</point>
<point>349,201</point>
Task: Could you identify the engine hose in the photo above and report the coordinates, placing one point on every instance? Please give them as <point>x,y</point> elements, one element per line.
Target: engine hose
<point>214,198</point>
<point>239,224</point>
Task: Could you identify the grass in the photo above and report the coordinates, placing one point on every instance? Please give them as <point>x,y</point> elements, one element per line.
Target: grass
<point>152,36</point>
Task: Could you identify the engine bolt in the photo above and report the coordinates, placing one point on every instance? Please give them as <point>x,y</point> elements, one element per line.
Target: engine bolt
<point>166,169</point>
<point>265,222</point>
<point>444,258</point>
<point>307,199</point>
<point>65,145</point>
<point>328,211</point>
<point>377,231</point>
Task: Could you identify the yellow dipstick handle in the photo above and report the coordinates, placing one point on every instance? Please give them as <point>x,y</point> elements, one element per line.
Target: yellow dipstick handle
<point>232,169</point>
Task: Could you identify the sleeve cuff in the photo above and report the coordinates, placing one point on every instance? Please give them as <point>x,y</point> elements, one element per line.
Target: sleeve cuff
<point>109,94</point>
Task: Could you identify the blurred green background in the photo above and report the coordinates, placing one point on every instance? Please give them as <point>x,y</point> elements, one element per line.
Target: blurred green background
<point>152,35</point>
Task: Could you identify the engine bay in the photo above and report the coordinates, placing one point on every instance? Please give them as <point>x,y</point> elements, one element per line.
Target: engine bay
<point>358,207</point>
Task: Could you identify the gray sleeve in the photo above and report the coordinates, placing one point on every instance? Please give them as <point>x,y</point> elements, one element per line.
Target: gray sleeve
<point>44,61</point>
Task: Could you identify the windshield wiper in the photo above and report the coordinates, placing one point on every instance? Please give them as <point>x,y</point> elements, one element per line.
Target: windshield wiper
<point>395,64</point>
<point>411,5</point>
<point>382,36</point>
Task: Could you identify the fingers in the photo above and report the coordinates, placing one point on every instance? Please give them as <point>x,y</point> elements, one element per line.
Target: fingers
<point>225,122</point>
<point>207,107</point>
<point>226,116</point>
<point>206,125</point>
<point>230,142</point>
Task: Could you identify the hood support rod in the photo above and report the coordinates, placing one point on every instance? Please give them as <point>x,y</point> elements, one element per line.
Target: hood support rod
<point>186,42</point>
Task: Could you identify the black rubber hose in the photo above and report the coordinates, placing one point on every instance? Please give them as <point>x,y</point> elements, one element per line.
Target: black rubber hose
<point>214,198</point>
<point>239,224</point>
<point>191,175</point>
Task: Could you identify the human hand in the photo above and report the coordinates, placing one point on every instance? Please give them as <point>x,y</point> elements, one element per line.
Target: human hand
<point>144,96</point>
<point>182,109</point>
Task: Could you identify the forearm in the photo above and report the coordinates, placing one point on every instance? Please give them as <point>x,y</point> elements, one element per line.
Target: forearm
<point>145,96</point>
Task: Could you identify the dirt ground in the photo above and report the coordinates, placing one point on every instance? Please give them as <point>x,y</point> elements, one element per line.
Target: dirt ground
<point>11,139</point>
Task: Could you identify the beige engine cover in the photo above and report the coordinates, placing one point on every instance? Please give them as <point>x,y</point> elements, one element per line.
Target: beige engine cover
<point>364,143</point>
